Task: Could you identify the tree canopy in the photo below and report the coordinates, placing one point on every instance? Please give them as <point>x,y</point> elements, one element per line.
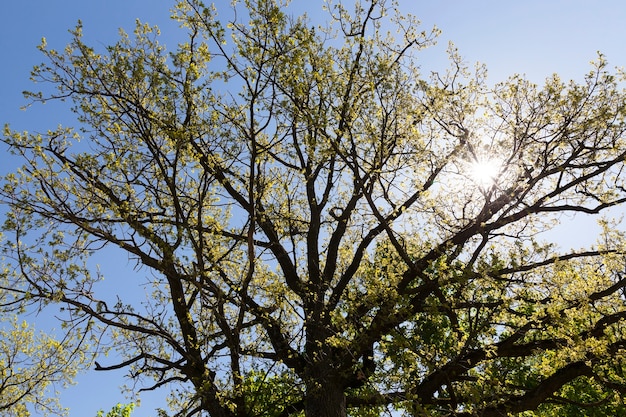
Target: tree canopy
<point>119,410</point>
<point>33,368</point>
<point>305,211</point>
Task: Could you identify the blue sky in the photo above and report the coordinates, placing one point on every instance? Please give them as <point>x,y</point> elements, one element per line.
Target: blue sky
<point>533,37</point>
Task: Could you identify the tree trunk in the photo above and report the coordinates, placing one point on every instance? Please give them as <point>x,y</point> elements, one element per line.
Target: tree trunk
<point>324,398</point>
<point>324,388</point>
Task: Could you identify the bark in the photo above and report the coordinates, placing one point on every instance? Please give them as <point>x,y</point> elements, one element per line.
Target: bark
<point>325,398</point>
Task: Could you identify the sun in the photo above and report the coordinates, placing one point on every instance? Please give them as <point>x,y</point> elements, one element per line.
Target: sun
<point>485,172</point>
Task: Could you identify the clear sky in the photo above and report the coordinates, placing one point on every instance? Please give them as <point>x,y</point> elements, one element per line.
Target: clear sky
<point>532,37</point>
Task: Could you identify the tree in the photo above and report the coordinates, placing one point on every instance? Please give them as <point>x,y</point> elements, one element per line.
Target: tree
<point>301,202</point>
<point>119,410</point>
<point>30,366</point>
<point>582,397</point>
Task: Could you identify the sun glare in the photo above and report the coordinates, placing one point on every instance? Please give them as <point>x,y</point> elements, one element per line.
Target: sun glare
<point>485,172</point>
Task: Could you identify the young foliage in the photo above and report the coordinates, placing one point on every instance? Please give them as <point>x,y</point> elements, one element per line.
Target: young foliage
<point>119,410</point>
<point>33,368</point>
<point>302,204</point>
